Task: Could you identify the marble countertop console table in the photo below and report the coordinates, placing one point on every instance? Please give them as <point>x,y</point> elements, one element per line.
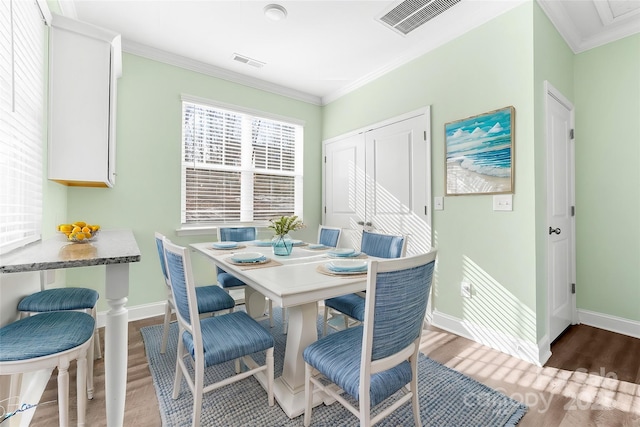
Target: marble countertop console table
<point>115,249</point>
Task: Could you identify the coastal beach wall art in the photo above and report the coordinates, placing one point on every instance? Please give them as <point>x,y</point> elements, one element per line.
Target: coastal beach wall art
<point>479,153</point>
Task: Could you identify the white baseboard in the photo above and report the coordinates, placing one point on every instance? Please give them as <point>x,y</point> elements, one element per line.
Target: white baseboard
<point>514,346</point>
<point>610,323</point>
<point>137,312</point>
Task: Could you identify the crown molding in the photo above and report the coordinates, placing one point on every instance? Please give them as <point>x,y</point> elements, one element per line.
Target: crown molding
<point>211,70</point>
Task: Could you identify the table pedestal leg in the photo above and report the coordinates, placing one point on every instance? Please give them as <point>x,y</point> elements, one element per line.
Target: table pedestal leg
<point>116,342</point>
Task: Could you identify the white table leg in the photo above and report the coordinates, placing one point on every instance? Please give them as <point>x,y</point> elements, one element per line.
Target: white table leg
<point>289,388</point>
<point>254,303</point>
<point>116,342</point>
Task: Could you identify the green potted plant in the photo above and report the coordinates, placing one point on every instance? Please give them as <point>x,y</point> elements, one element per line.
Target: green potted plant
<point>282,243</point>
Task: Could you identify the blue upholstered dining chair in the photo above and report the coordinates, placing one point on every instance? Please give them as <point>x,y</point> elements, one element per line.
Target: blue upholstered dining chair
<point>329,236</point>
<point>351,306</point>
<point>210,298</point>
<point>374,360</point>
<point>47,341</point>
<point>212,340</point>
<point>229,281</point>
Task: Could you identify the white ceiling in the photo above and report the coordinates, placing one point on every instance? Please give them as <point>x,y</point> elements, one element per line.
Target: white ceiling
<point>324,48</point>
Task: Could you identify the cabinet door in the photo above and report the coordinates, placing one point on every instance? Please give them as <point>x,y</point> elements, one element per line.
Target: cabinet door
<point>81,93</point>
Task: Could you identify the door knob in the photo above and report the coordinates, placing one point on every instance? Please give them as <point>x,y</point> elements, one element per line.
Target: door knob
<point>360,222</point>
<point>556,230</point>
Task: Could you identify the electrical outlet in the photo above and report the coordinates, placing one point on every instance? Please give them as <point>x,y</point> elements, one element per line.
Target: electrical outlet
<point>465,290</point>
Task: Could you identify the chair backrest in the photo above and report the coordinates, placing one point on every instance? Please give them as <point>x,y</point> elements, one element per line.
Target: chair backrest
<point>383,245</point>
<point>237,234</point>
<point>397,295</point>
<point>160,246</point>
<point>329,236</point>
<point>182,284</point>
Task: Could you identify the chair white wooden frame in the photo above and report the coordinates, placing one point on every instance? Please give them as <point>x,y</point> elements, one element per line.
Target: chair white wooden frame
<point>61,361</point>
<point>197,360</point>
<point>368,366</point>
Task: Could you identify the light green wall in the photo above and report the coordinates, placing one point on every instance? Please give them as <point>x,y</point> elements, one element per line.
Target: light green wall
<point>554,63</point>
<point>488,68</point>
<point>502,63</point>
<point>146,197</point>
<point>607,100</point>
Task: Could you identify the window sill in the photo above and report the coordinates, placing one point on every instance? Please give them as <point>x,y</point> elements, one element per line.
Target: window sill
<point>197,231</point>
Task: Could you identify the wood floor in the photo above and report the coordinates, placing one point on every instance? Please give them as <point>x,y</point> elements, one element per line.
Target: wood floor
<point>592,379</point>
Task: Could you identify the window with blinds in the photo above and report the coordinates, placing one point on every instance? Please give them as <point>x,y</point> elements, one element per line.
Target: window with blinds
<point>21,122</point>
<point>238,167</point>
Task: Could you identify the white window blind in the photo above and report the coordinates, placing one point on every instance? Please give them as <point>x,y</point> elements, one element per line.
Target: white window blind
<point>238,167</point>
<point>21,122</point>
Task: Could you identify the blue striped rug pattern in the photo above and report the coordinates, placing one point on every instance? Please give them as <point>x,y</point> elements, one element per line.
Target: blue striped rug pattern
<point>447,397</point>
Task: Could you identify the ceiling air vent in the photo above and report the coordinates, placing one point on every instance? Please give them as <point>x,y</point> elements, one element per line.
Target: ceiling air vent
<point>410,14</point>
<point>248,61</point>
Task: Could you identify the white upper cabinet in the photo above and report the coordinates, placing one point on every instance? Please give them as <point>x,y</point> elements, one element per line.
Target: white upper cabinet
<point>85,62</point>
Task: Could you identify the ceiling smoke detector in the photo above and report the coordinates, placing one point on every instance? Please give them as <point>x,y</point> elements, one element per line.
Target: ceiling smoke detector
<point>248,61</point>
<point>408,15</point>
<point>275,12</point>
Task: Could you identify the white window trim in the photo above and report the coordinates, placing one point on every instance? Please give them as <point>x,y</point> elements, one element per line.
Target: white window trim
<point>207,228</point>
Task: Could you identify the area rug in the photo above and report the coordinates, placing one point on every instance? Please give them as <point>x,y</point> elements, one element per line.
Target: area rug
<point>447,397</point>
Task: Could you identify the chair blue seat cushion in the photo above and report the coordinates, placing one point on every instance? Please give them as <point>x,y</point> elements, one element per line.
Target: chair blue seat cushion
<point>352,305</point>
<point>44,334</point>
<point>213,298</point>
<point>59,299</point>
<point>337,357</point>
<point>227,280</point>
<point>228,337</point>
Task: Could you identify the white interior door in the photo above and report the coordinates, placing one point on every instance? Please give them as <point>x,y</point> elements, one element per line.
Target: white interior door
<point>344,189</point>
<point>380,179</point>
<point>397,176</point>
<point>560,212</point>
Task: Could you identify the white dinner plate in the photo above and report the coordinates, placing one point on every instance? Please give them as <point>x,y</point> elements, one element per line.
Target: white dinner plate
<point>330,254</point>
<point>248,257</point>
<point>225,245</point>
<point>344,265</point>
<point>341,251</point>
<point>297,242</point>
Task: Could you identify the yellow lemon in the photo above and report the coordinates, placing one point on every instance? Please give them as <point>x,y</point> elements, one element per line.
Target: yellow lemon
<point>86,229</point>
<point>71,236</point>
<point>95,228</point>
<point>80,236</point>
<point>76,229</point>
<point>79,224</point>
<point>65,228</point>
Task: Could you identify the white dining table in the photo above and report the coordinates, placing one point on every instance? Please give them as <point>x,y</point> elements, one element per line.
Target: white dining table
<point>295,283</point>
<point>115,249</point>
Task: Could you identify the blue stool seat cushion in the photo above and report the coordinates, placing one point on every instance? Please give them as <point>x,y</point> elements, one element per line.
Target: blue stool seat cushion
<point>337,356</point>
<point>227,280</point>
<point>352,305</point>
<point>59,299</point>
<point>213,298</point>
<point>44,334</point>
<point>228,337</point>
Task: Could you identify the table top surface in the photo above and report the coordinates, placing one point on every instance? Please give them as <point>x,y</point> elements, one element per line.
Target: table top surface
<point>108,247</point>
<point>293,280</point>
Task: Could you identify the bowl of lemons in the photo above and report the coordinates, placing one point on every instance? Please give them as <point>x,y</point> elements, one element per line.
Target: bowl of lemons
<point>79,231</point>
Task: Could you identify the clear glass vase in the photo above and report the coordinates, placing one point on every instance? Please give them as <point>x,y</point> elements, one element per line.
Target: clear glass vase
<point>282,245</point>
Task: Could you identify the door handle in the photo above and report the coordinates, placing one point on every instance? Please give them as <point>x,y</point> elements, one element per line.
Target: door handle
<point>556,230</point>
<point>368,223</point>
<point>360,222</point>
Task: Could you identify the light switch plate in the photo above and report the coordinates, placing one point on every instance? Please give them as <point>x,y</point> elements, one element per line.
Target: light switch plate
<point>503,202</point>
<point>438,203</point>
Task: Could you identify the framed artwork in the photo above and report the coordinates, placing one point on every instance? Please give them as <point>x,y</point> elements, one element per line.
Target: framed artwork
<point>479,153</point>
